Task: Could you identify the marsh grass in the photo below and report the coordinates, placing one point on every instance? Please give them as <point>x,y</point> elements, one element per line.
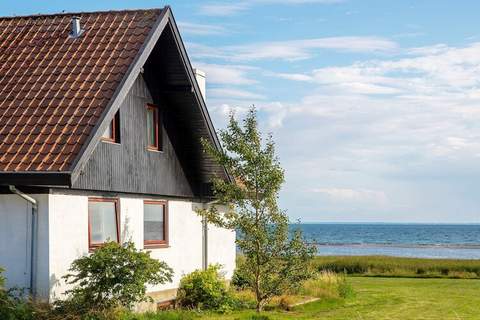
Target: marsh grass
<point>327,284</point>
<point>399,267</point>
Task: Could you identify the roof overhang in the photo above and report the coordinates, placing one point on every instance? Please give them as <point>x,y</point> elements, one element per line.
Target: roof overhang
<point>35,178</point>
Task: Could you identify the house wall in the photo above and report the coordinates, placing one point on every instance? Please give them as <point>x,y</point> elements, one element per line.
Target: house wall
<point>129,166</point>
<point>15,237</point>
<point>69,237</point>
<point>222,248</point>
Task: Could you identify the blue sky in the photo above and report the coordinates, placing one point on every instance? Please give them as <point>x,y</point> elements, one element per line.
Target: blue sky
<point>375,105</point>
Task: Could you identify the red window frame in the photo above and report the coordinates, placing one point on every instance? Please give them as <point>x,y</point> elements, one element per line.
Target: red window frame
<point>114,130</point>
<point>92,246</point>
<point>157,146</point>
<point>158,243</point>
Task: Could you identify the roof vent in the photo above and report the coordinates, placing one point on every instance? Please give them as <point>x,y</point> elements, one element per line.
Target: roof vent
<point>76,31</point>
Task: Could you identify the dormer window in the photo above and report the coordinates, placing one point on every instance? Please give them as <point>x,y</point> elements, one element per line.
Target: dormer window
<point>112,133</point>
<point>154,129</point>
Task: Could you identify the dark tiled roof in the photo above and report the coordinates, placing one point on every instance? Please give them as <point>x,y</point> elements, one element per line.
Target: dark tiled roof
<point>54,88</point>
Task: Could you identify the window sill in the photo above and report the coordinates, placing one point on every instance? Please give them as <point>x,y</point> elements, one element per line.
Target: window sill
<point>154,150</point>
<point>92,249</point>
<point>156,246</point>
<point>110,141</point>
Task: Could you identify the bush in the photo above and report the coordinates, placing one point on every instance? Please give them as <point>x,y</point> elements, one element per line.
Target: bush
<point>13,306</point>
<point>240,275</point>
<point>114,276</point>
<point>205,289</point>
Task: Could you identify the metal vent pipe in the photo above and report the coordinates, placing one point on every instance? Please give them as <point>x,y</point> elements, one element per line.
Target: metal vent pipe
<point>76,29</point>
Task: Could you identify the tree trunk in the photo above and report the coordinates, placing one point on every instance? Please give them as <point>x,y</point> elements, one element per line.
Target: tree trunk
<point>259,306</point>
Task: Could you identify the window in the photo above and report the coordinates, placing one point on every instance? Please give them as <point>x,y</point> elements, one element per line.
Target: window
<point>112,133</point>
<point>102,221</point>
<point>155,224</point>
<point>154,129</point>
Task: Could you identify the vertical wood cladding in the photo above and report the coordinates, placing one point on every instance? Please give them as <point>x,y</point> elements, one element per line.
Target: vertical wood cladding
<point>130,166</point>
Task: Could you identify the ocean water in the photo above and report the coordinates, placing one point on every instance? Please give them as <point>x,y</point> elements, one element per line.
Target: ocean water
<point>402,240</point>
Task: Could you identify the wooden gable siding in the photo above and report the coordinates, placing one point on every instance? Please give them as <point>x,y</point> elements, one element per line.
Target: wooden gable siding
<point>129,166</point>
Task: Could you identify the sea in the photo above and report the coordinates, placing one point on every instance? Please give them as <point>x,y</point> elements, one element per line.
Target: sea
<point>456,241</point>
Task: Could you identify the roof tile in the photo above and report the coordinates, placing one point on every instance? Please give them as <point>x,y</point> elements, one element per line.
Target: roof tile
<point>53,88</point>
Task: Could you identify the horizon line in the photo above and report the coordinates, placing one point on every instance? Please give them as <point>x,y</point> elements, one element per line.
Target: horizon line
<point>384,222</point>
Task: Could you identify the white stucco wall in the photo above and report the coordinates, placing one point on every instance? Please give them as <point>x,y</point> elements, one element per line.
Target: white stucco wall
<point>15,237</point>
<point>69,237</point>
<point>63,237</point>
<point>220,249</point>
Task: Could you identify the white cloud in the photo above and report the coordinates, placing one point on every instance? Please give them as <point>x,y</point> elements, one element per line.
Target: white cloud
<point>227,74</point>
<point>199,29</point>
<point>294,76</point>
<point>304,49</point>
<point>201,51</point>
<point>292,50</point>
<point>353,195</point>
<point>427,50</point>
<point>406,126</point>
<point>232,8</point>
<point>445,70</point>
<point>234,93</point>
<point>295,2</point>
<point>222,9</point>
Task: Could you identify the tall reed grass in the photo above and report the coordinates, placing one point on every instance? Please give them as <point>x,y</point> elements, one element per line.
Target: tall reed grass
<point>399,267</point>
<point>327,284</point>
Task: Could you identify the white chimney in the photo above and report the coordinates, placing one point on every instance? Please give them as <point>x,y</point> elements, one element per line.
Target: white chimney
<point>76,30</point>
<point>201,80</point>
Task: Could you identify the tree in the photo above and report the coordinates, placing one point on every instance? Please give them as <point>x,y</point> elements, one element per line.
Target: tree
<point>114,275</point>
<point>275,261</point>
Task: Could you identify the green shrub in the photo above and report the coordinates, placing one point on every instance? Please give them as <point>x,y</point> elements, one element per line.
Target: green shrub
<point>240,275</point>
<point>205,289</point>
<point>2,278</point>
<point>113,277</point>
<point>13,305</point>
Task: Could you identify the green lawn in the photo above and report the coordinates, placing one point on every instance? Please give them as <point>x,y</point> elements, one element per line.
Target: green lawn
<point>390,298</point>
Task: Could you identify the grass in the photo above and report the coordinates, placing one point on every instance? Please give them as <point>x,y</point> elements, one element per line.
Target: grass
<point>385,288</point>
<point>400,267</point>
<point>388,299</point>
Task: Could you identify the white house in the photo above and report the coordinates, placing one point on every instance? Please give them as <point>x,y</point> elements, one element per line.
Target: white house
<point>101,118</point>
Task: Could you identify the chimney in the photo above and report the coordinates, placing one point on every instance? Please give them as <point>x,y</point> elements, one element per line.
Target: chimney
<point>201,80</point>
<point>76,30</point>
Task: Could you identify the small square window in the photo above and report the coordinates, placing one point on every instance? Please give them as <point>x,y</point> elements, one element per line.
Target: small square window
<point>155,223</point>
<point>154,129</point>
<point>102,221</point>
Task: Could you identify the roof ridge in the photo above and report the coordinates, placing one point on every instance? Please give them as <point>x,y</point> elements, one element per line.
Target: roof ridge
<point>60,14</point>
